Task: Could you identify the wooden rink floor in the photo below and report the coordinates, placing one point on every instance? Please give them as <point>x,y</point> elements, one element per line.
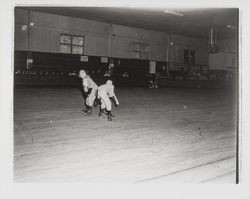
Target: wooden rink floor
<point>165,135</point>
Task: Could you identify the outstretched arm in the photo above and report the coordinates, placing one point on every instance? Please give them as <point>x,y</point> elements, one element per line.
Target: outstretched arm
<point>115,100</point>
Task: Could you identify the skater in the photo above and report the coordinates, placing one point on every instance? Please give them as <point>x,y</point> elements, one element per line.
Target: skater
<point>90,88</point>
<point>106,94</point>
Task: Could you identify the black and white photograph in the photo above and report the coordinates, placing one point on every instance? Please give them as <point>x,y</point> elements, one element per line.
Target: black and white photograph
<point>106,94</point>
<point>141,95</point>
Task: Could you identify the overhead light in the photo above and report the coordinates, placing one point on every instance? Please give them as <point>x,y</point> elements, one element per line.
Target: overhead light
<point>232,27</point>
<point>173,13</point>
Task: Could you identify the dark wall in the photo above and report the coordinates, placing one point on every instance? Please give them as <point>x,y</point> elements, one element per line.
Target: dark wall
<point>56,69</point>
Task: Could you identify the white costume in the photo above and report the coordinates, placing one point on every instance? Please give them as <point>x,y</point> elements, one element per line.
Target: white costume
<point>106,91</point>
<point>88,83</point>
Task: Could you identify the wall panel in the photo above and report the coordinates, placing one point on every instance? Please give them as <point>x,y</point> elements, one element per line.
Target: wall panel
<point>48,27</point>
<point>226,58</point>
<point>39,40</point>
<point>158,52</point>
<point>21,36</point>
<point>179,43</point>
<point>201,57</point>
<point>125,37</point>
<point>98,46</point>
<point>228,45</point>
<point>122,48</point>
<point>45,37</point>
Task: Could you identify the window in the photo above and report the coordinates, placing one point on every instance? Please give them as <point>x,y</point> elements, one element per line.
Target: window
<point>71,44</point>
<point>141,51</point>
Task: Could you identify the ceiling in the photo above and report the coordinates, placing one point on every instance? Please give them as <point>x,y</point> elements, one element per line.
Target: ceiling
<point>194,22</point>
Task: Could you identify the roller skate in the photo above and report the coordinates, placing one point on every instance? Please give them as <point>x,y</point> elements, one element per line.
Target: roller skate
<point>110,116</point>
<point>87,110</point>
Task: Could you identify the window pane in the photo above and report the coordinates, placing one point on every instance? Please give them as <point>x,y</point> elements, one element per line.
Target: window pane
<point>136,54</point>
<point>66,39</point>
<point>136,47</point>
<point>144,55</point>
<point>77,49</point>
<point>77,40</point>
<point>65,48</point>
<point>144,48</point>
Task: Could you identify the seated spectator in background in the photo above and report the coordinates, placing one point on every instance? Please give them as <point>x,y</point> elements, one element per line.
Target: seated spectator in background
<point>164,71</point>
<point>125,75</point>
<point>204,77</point>
<point>198,75</point>
<point>74,73</point>
<point>191,75</point>
<point>181,74</point>
<point>106,74</point>
<point>98,71</point>
<point>212,76</point>
<point>195,75</point>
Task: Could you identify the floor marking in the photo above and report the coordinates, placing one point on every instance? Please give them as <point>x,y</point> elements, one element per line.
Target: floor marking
<point>179,171</point>
<point>32,141</point>
<point>222,175</point>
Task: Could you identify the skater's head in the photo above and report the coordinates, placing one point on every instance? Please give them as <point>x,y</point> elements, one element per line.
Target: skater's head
<point>109,82</point>
<point>82,73</point>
